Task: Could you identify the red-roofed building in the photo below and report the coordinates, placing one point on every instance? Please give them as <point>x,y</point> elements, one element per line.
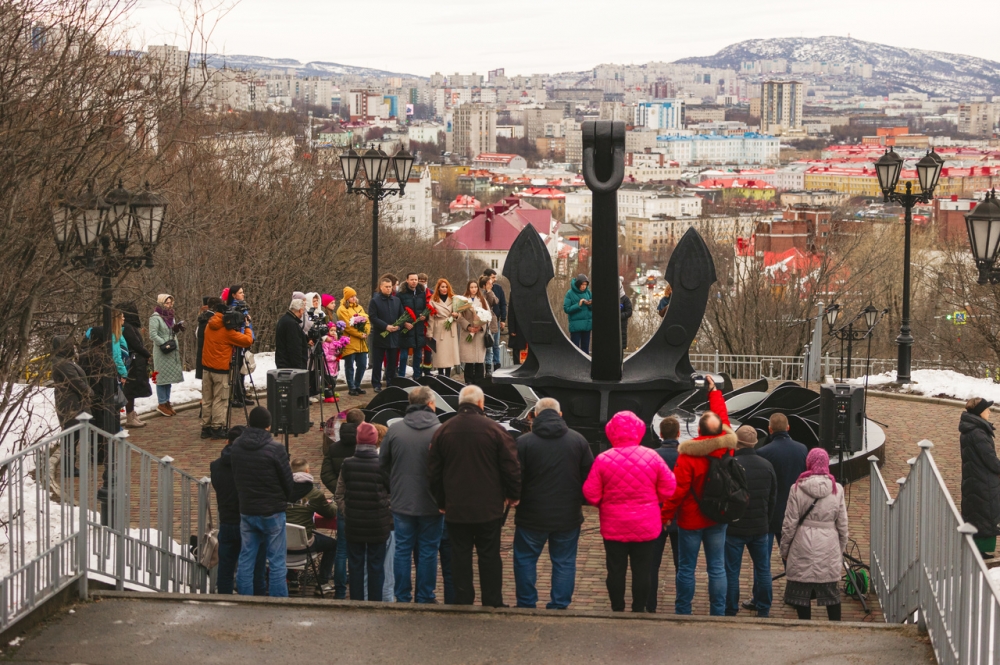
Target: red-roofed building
<point>491,232</point>
<point>464,202</point>
<point>496,160</point>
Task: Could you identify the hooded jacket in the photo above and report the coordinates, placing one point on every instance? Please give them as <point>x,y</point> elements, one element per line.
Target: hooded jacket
<point>217,353</point>
<point>337,453</point>
<point>980,475</point>
<point>403,458</point>
<point>581,317</point>
<point>628,483</point>
<point>473,467</point>
<point>314,502</point>
<point>763,488</point>
<point>692,466</point>
<point>813,552</point>
<point>262,474</point>
<point>555,461</point>
<point>363,496</point>
<point>358,344</point>
<point>788,459</point>
<point>73,391</point>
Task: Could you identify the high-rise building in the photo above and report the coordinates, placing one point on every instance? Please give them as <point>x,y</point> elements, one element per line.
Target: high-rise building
<point>661,114</point>
<point>474,130</point>
<point>536,119</point>
<point>781,107</point>
<point>977,118</point>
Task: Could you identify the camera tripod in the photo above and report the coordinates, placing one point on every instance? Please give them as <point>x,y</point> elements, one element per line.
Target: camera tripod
<point>317,369</point>
<point>236,365</point>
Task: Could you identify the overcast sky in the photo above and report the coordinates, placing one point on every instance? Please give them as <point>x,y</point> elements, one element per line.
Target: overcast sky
<point>545,36</point>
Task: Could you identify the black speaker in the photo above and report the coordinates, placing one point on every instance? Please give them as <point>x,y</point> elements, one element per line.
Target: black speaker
<point>288,400</point>
<point>841,412</point>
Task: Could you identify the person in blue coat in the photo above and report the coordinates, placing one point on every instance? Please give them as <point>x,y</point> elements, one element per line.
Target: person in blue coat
<point>578,305</point>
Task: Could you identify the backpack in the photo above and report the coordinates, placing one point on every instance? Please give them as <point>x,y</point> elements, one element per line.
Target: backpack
<point>724,495</point>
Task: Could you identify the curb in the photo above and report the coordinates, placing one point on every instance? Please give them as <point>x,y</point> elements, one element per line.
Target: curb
<point>922,399</point>
<point>264,601</point>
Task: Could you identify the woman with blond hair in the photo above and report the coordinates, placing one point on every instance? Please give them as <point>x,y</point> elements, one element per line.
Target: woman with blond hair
<point>475,323</point>
<point>443,329</point>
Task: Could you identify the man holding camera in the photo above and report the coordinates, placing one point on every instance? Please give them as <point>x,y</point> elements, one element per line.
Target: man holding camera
<point>216,361</point>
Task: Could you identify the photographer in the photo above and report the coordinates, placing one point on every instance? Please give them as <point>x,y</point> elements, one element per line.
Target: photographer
<point>291,345</point>
<point>235,298</point>
<point>216,360</point>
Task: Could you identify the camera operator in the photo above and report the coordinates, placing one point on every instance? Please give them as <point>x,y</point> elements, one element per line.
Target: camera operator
<point>235,298</point>
<point>291,345</point>
<point>221,337</point>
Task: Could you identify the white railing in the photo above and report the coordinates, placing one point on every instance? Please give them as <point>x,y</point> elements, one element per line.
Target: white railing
<point>925,567</point>
<point>132,526</point>
<point>792,368</point>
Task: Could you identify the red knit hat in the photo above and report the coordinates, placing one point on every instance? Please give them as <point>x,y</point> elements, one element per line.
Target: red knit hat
<point>326,299</point>
<point>367,435</point>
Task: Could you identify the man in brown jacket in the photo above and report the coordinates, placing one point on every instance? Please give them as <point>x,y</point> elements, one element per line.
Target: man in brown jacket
<point>474,472</point>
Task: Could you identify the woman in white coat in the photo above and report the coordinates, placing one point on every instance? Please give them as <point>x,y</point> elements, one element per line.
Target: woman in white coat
<point>443,329</point>
<point>813,538</point>
<point>475,323</point>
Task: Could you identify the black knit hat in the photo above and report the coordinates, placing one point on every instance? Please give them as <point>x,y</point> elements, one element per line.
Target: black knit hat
<point>259,418</point>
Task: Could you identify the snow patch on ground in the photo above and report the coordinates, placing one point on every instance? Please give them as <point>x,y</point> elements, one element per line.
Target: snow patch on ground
<point>938,383</point>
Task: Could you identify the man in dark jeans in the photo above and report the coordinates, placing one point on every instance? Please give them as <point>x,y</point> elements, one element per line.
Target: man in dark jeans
<point>384,310</point>
<point>474,471</point>
<point>332,463</point>
<point>555,461</point>
<point>230,542</point>
<point>670,429</point>
<point>751,530</point>
<point>788,458</point>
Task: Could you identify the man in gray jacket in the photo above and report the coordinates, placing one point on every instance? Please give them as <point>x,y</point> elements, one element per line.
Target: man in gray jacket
<point>417,520</point>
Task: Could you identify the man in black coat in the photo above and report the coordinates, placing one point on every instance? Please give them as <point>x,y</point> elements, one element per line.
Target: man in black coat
<point>500,314</point>
<point>291,345</point>
<point>412,295</point>
<point>384,310</point>
<point>333,460</point>
<point>980,473</point>
<point>474,471</point>
<point>555,461</point>
<point>230,542</point>
<point>264,486</point>
<point>751,531</point>
<point>670,429</point>
<point>788,458</point>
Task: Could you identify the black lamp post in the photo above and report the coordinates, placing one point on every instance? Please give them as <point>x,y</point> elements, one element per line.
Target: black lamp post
<point>887,168</point>
<point>983,224</point>
<point>374,166</point>
<point>95,233</point>
<point>847,333</point>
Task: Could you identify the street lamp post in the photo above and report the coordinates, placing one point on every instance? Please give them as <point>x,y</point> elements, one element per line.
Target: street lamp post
<point>983,225</point>
<point>374,167</point>
<point>95,233</point>
<point>888,168</point>
<point>847,333</point>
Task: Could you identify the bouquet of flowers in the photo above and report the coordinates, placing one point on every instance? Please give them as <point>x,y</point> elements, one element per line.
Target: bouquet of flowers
<point>337,345</point>
<point>408,317</point>
<point>340,326</point>
<point>483,317</point>
<point>359,323</point>
<point>458,305</point>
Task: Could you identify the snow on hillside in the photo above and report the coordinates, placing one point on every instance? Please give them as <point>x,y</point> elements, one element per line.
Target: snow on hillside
<point>940,383</point>
<point>315,68</point>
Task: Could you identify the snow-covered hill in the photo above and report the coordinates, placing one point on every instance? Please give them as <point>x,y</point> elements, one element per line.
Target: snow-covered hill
<point>894,69</point>
<point>316,68</point>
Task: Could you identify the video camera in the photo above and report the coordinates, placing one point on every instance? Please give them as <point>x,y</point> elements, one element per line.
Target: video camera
<point>319,330</point>
<point>235,317</point>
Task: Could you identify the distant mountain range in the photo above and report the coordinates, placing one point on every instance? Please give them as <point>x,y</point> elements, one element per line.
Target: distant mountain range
<point>317,68</point>
<point>894,69</point>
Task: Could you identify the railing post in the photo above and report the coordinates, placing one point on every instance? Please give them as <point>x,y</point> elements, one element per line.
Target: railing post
<point>968,566</point>
<point>203,527</point>
<point>83,536</point>
<point>165,519</point>
<point>826,365</point>
<point>118,507</point>
<point>716,364</point>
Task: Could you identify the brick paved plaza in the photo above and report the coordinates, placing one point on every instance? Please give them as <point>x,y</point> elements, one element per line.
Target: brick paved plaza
<point>907,422</point>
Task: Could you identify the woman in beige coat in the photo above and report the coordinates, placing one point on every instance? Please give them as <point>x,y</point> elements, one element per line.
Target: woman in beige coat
<point>445,339</point>
<point>813,538</point>
<point>475,322</point>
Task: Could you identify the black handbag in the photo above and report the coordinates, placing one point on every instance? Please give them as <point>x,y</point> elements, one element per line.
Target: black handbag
<point>169,346</point>
<point>488,339</point>
<point>120,401</point>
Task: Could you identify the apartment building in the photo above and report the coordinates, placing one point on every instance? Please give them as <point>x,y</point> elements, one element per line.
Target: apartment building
<point>474,130</point>
<point>636,200</point>
<point>978,118</point>
<point>781,106</point>
<point>413,212</point>
<point>535,121</point>
<point>748,148</point>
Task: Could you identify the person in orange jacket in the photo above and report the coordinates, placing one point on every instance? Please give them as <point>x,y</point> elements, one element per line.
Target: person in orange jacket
<point>715,439</point>
<point>216,361</point>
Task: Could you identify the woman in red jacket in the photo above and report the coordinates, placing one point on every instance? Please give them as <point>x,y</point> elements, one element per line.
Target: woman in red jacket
<point>715,439</point>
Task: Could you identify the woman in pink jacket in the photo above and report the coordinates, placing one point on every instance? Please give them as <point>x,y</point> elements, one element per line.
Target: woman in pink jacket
<point>628,483</point>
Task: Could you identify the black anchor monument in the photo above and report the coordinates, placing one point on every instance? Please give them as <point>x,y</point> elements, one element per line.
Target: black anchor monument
<point>593,388</point>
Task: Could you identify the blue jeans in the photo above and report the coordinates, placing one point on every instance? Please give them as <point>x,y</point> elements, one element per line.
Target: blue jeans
<point>417,536</point>
<point>562,552</point>
<point>760,554</point>
<point>404,356</point>
<point>494,351</point>
<point>255,531</point>
<point>354,369</point>
<point>230,544</point>
<point>340,561</point>
<point>581,339</point>
<point>688,544</point>
<point>366,558</point>
<point>163,393</point>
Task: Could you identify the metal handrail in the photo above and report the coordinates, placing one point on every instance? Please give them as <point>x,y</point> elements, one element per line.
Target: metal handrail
<point>134,532</point>
<point>925,567</point>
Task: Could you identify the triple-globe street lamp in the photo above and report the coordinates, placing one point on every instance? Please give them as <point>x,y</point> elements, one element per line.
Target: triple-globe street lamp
<point>847,333</point>
<point>375,168</point>
<point>888,169</point>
